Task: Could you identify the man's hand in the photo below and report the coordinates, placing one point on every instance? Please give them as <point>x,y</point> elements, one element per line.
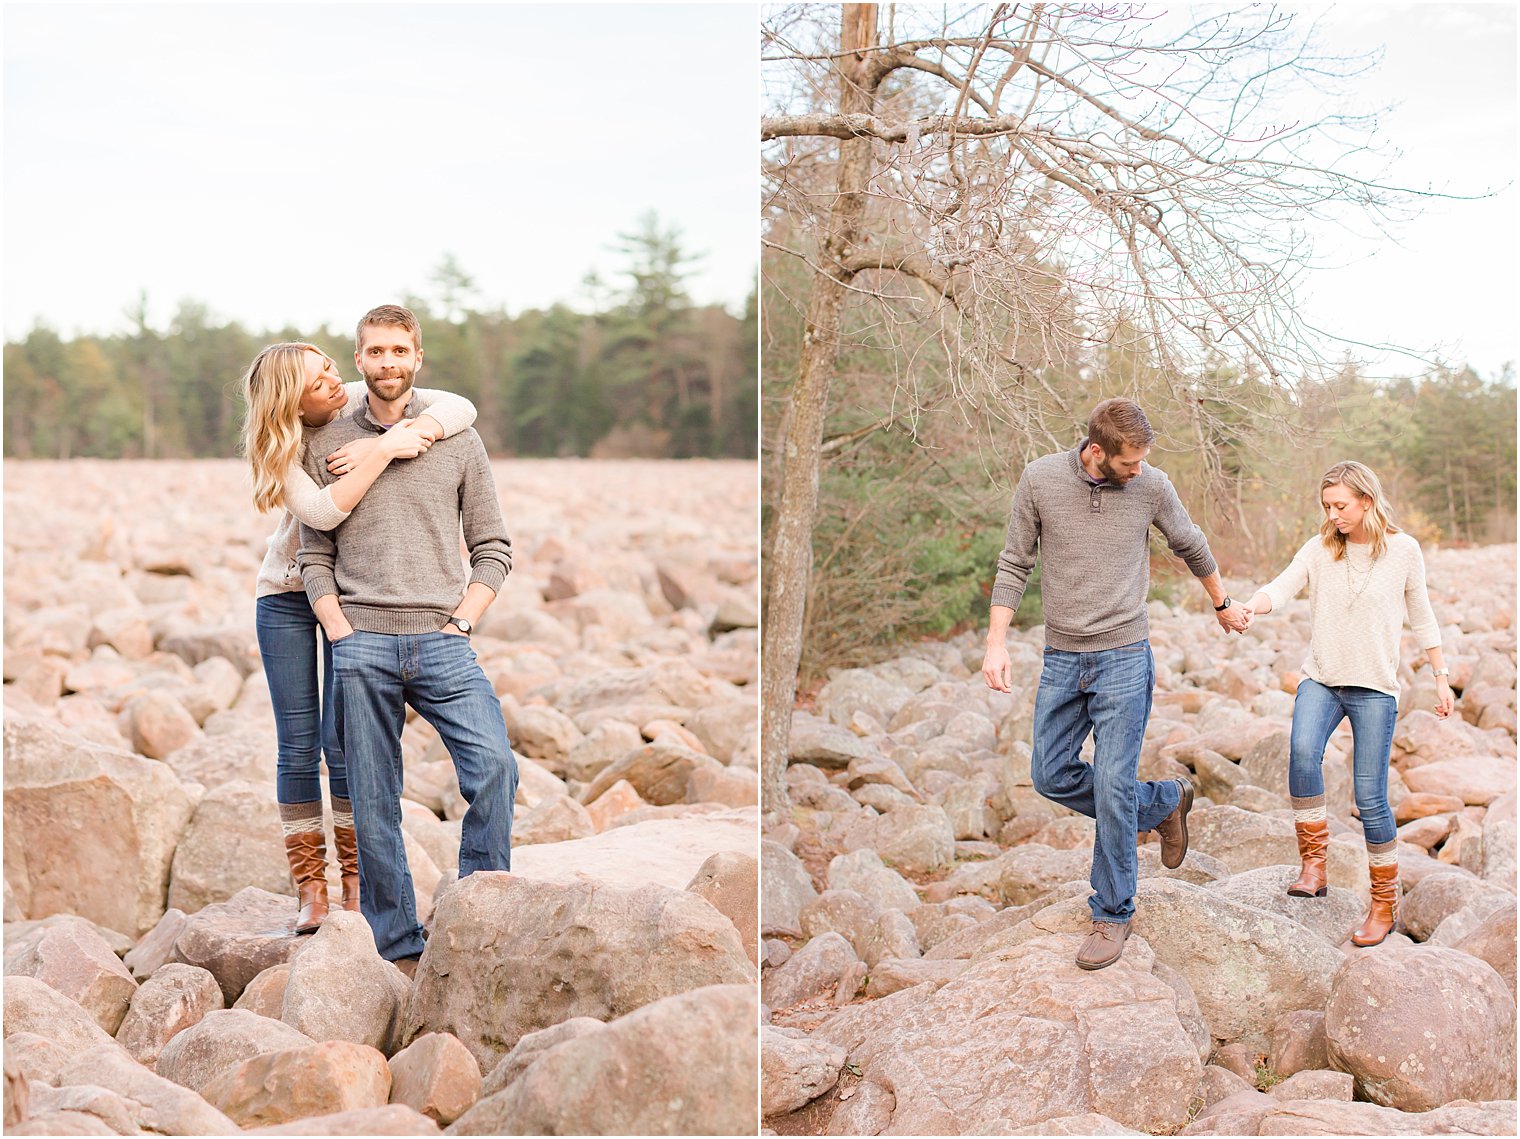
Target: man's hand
<point>330,613</point>
<point>1235,619</point>
<point>997,669</point>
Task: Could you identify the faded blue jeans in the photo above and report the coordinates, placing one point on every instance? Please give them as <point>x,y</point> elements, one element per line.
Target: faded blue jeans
<point>1317,710</point>
<point>437,673</point>
<point>1107,693</point>
<point>288,634</point>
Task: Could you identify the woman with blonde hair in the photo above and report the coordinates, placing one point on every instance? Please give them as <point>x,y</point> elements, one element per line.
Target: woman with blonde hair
<point>288,388</point>
<point>1365,576</point>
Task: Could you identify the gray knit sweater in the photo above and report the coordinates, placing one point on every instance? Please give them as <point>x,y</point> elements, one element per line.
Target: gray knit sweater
<point>1093,543</point>
<point>395,562</point>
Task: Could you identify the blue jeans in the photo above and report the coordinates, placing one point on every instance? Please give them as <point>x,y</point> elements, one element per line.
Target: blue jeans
<point>1107,693</point>
<point>1317,710</point>
<point>378,675</point>
<point>303,720</point>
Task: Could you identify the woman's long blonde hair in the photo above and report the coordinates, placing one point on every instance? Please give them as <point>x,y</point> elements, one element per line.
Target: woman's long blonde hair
<point>1377,523</point>
<point>272,389</point>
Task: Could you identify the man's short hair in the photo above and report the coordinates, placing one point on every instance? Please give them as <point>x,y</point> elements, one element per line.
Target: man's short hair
<point>1117,423</point>
<point>393,315</point>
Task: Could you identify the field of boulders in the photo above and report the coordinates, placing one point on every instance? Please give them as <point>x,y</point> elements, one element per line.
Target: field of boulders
<point>922,904</point>
<point>607,985</point>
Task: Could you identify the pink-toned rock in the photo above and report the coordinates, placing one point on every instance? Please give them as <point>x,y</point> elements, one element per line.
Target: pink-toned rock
<point>36,1007</point>
<point>1296,1042</point>
<point>637,1076</point>
<point>238,939</point>
<point>730,883</point>
<point>671,731</point>
<point>393,1119</point>
<point>35,1057</point>
<point>340,988</point>
<point>437,1076</point>
<point>265,994</point>
<point>219,1042</point>
<point>73,959</point>
<point>509,955</point>
<point>88,831</point>
<point>1438,896</point>
<point>170,1001</point>
<point>157,946</point>
<point>558,818</point>
<point>1422,1027</point>
<point>600,748</point>
<point>795,1070</point>
<point>1474,779</point>
<point>233,841</point>
<point>1417,805</point>
<point>317,1079</point>
<point>1334,1117</point>
<point>1428,831</point>
<point>125,629</point>
<point>730,786</point>
<point>1315,1084</point>
<point>1026,1035</point>
<point>660,773</point>
<point>616,801</point>
<point>157,1105</point>
<point>1493,941</point>
<point>157,724</point>
<point>528,1049</point>
<point>811,971</point>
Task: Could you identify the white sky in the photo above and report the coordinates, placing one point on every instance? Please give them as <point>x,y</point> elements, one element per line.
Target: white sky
<point>1447,280</point>
<point>299,163</point>
<point>1444,93</point>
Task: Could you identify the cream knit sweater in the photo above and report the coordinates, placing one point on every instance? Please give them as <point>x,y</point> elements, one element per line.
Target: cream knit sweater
<point>313,505</point>
<point>1357,608</point>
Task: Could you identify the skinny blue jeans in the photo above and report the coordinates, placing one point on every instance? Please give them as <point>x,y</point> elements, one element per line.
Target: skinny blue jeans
<point>1108,694</point>
<point>289,633</point>
<point>437,674</point>
<point>1317,710</point>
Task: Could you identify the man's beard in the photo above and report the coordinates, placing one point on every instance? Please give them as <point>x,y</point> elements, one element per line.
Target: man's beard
<point>395,386</point>
<point>1105,468</point>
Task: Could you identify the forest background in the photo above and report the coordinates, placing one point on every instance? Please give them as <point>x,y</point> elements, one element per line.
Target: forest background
<point>645,373</point>
<point>930,415</point>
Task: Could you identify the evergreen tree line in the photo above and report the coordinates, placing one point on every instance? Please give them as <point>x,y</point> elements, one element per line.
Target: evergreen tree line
<point>916,485</point>
<point>646,374</point>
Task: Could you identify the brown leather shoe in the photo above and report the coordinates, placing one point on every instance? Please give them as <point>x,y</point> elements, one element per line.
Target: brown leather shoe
<point>1173,829</point>
<point>407,965</point>
<point>1383,915</point>
<point>307,852</point>
<point>346,839</point>
<point>1104,945</point>
<point>1313,845</point>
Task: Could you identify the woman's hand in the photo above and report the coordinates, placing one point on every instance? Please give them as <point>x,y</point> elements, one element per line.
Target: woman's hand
<point>404,441</point>
<point>350,455</point>
<point>1445,699</point>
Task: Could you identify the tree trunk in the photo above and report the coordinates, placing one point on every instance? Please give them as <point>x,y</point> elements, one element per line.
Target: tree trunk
<point>791,553</point>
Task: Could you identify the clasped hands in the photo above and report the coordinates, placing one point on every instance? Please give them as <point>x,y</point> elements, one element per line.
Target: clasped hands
<point>403,441</point>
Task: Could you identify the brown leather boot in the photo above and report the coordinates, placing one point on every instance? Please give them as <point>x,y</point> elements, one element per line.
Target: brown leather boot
<point>1313,845</point>
<point>1383,916</point>
<point>347,842</point>
<point>307,852</point>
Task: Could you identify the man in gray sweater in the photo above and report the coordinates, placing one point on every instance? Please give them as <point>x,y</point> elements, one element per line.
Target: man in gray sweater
<point>1087,514</point>
<point>391,592</point>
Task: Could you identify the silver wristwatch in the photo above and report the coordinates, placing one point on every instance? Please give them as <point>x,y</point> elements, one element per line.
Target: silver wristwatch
<point>462,625</point>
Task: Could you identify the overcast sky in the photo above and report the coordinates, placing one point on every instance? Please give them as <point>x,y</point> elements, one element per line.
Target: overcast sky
<point>300,163</point>
<point>1448,278</point>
